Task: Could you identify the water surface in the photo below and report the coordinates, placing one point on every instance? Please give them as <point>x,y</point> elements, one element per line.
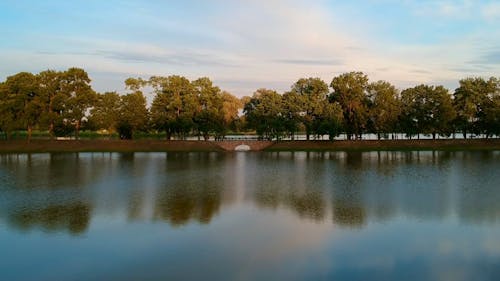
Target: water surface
<point>250,216</point>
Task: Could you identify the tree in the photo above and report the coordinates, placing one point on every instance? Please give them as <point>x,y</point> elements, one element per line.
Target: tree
<point>349,90</point>
<point>53,99</point>
<point>106,112</point>
<point>293,112</point>
<point>135,84</point>
<point>21,103</point>
<point>75,86</point>
<point>209,117</point>
<point>470,102</point>
<point>133,115</point>
<point>264,114</point>
<point>427,110</point>
<point>385,107</point>
<point>329,120</point>
<point>313,93</point>
<point>8,120</point>
<point>490,117</point>
<point>231,107</point>
<point>174,105</point>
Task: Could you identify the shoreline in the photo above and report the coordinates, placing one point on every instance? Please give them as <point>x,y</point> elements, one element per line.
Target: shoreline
<point>55,146</point>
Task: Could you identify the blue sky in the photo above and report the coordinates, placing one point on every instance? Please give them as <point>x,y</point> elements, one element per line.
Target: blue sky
<point>245,45</point>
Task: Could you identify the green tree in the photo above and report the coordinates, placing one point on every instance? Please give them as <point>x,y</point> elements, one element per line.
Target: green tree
<point>209,117</point>
<point>135,84</point>
<point>75,85</point>
<point>21,103</point>
<point>133,115</point>
<point>53,99</point>
<point>293,112</point>
<point>328,120</point>
<point>427,110</point>
<point>106,111</point>
<point>385,107</point>
<point>8,112</point>
<point>313,92</point>
<point>174,105</point>
<point>492,116</point>
<point>471,101</point>
<point>264,114</point>
<point>349,90</point>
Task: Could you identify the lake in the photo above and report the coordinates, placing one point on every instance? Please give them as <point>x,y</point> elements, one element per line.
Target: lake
<point>250,216</point>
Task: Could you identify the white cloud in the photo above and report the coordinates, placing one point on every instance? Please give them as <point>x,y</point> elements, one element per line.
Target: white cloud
<point>251,44</point>
<point>491,11</point>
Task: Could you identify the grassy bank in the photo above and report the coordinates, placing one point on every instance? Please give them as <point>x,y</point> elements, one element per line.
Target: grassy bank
<point>39,146</point>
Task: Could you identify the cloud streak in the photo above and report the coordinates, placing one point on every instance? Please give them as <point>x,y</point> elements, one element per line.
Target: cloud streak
<point>251,44</point>
<point>310,61</point>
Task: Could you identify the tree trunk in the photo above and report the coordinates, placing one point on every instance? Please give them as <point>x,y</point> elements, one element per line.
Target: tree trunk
<point>77,129</point>
<point>51,130</point>
<point>30,130</point>
<point>51,125</point>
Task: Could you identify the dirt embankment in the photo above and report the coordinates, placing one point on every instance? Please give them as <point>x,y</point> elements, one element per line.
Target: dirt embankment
<point>367,145</point>
<point>36,146</point>
<point>105,146</point>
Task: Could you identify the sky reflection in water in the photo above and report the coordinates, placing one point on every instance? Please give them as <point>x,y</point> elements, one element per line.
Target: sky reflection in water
<point>247,216</point>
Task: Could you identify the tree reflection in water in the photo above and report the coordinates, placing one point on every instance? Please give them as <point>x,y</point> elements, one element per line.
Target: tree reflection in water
<point>63,192</point>
<point>74,218</point>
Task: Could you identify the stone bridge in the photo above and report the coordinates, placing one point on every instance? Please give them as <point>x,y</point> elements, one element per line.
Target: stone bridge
<point>243,145</point>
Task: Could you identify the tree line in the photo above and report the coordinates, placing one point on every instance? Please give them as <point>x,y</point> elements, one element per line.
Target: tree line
<point>64,103</point>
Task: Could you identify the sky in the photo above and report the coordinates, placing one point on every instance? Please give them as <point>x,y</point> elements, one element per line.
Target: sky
<point>246,45</point>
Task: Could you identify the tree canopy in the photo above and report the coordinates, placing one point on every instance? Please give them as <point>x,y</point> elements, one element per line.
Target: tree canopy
<point>63,102</point>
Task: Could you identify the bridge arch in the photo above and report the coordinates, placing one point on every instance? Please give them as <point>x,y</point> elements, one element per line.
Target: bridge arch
<point>244,145</point>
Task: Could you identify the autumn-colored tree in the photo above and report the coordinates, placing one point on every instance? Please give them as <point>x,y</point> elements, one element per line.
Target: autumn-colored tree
<point>231,107</point>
